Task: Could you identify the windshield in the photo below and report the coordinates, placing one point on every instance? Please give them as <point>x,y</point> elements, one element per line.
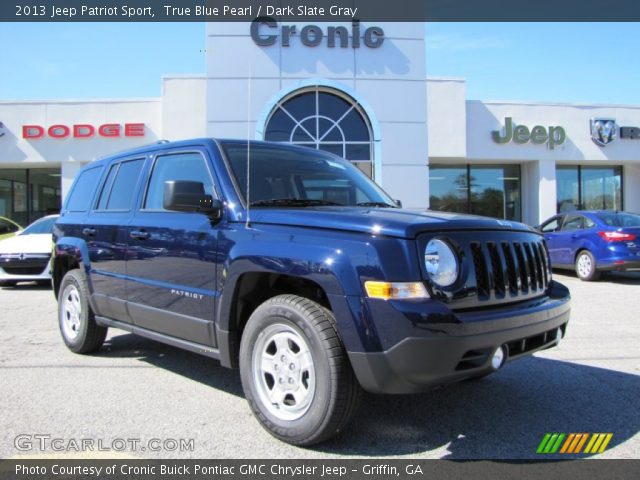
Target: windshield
<point>620,219</point>
<point>44,225</point>
<point>282,176</point>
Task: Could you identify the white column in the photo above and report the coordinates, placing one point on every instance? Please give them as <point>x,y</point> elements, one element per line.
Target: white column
<point>538,191</point>
<point>68,173</point>
<point>630,190</point>
<point>547,203</point>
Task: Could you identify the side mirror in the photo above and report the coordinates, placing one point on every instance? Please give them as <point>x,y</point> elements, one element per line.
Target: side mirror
<point>188,196</point>
<point>398,203</point>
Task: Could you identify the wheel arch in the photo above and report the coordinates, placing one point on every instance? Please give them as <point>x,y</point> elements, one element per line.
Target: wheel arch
<point>249,290</point>
<point>69,254</point>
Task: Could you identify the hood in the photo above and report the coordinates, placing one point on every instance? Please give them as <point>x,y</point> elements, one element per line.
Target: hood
<point>37,243</point>
<point>393,222</point>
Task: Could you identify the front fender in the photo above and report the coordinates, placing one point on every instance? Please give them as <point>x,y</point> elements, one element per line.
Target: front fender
<point>338,262</point>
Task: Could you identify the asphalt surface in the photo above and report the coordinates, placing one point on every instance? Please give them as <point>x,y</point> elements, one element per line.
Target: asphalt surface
<point>135,391</point>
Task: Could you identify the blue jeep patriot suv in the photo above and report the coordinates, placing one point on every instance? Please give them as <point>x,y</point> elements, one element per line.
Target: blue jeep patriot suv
<point>300,271</point>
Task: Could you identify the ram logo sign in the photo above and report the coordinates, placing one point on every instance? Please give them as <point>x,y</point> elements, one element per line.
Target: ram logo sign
<point>603,131</point>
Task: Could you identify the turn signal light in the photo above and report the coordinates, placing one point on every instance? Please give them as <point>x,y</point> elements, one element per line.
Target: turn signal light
<point>395,290</point>
<point>617,236</point>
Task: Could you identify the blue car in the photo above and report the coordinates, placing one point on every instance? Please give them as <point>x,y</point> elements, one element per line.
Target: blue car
<point>592,242</point>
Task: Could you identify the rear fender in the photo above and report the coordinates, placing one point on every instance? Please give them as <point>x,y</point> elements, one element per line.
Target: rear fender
<point>73,248</point>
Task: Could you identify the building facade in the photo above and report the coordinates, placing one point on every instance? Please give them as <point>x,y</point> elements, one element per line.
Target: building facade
<point>359,91</point>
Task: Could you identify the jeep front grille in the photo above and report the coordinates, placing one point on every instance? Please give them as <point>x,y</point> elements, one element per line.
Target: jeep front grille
<point>509,268</point>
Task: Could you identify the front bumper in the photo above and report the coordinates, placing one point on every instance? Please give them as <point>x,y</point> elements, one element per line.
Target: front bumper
<point>25,268</point>
<point>442,353</point>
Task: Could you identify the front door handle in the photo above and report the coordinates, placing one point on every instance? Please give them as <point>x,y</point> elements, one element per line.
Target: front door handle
<point>89,232</point>
<point>139,234</point>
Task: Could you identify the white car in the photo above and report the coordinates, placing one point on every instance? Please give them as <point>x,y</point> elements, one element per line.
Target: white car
<point>26,257</point>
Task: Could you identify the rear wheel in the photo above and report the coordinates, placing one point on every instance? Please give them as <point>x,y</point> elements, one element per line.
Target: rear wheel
<point>586,266</point>
<point>80,332</point>
<point>295,373</point>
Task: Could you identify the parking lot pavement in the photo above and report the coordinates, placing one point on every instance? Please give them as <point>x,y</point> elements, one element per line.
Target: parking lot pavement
<point>135,389</point>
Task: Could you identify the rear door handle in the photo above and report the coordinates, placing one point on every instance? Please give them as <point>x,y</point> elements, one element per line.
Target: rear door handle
<point>139,234</point>
<point>89,232</point>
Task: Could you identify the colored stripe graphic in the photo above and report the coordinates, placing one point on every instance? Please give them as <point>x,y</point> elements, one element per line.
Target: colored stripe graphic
<point>567,444</point>
<point>593,440</point>
<point>598,443</point>
<point>552,442</point>
<point>543,443</point>
<point>578,448</point>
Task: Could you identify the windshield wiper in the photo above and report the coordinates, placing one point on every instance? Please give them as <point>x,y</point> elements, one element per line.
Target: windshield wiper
<point>292,202</point>
<point>375,204</point>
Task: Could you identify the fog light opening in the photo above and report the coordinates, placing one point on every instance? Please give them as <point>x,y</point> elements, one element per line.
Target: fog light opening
<point>498,357</point>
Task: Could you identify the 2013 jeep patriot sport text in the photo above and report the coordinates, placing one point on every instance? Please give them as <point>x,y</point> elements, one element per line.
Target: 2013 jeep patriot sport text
<point>300,271</point>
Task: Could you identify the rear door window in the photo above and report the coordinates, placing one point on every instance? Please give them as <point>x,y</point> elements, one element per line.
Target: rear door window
<point>573,223</point>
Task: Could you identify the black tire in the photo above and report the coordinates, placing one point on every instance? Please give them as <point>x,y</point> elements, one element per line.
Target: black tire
<point>586,267</point>
<point>328,397</point>
<point>80,332</point>
<point>8,283</point>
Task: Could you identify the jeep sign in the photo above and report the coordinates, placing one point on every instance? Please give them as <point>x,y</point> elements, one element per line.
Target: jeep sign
<point>538,135</point>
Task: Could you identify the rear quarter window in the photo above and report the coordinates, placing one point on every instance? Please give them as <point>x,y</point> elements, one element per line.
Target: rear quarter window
<point>120,186</point>
<point>83,189</point>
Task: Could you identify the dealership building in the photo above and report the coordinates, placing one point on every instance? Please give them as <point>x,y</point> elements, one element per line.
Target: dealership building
<point>359,91</point>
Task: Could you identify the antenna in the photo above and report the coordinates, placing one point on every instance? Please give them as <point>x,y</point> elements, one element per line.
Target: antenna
<point>248,222</point>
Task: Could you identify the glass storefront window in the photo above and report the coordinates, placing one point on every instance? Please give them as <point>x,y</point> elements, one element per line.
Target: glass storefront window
<point>567,189</point>
<point>488,190</point>
<point>45,192</point>
<point>588,188</point>
<point>601,188</point>
<point>28,194</point>
<point>495,191</point>
<point>448,187</point>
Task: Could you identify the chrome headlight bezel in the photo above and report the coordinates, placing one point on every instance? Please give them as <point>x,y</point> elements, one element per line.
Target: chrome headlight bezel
<point>441,263</point>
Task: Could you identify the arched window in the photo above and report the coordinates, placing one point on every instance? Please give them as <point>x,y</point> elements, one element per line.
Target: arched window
<point>324,119</point>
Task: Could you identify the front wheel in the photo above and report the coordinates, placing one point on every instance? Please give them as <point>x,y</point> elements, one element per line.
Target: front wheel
<point>586,266</point>
<point>295,373</point>
<point>80,332</point>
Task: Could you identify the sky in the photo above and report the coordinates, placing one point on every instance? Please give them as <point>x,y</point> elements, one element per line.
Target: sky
<point>593,63</point>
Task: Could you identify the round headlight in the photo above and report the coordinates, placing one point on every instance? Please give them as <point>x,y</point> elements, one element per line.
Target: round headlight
<point>441,263</point>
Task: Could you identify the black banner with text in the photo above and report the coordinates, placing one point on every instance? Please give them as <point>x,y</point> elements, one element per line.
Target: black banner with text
<point>319,10</point>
